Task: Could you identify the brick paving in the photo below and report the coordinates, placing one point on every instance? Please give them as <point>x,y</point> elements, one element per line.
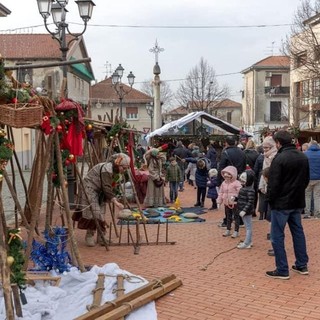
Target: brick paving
<point>219,280</point>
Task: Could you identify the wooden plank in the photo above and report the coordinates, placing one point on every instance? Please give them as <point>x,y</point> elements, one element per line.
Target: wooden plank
<point>109,306</point>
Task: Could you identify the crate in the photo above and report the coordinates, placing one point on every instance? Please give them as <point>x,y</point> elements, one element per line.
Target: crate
<point>19,115</point>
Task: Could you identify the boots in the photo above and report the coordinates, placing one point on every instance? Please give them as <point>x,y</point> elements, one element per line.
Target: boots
<point>89,238</point>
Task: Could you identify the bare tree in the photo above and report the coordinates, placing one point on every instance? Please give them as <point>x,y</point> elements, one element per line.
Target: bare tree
<point>166,94</point>
<point>201,91</point>
<point>303,47</point>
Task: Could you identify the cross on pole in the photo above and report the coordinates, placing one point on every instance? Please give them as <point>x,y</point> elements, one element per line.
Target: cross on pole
<point>156,50</point>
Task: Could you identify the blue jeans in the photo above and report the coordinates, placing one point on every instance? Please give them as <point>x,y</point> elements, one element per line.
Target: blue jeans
<point>247,220</point>
<point>173,185</point>
<point>279,219</point>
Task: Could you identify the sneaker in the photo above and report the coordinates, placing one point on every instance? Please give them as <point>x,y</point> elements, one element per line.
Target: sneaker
<point>302,270</point>
<point>241,226</point>
<point>276,275</point>
<point>222,225</point>
<point>213,208</point>
<point>196,204</point>
<point>243,245</point>
<point>235,234</point>
<point>268,236</point>
<point>227,233</point>
<point>271,253</point>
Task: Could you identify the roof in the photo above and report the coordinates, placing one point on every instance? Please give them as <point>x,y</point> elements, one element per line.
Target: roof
<point>29,46</point>
<point>104,90</point>
<point>4,11</point>
<point>177,111</point>
<point>207,119</point>
<point>278,62</point>
<point>227,103</point>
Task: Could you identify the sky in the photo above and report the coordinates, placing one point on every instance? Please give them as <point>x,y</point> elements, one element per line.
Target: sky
<point>224,33</point>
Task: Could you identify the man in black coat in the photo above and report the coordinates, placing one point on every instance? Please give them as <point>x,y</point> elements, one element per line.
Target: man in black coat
<point>231,156</point>
<point>288,179</point>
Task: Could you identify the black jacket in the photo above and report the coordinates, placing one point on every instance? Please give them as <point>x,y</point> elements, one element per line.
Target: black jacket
<point>231,156</point>
<point>288,179</point>
<point>245,199</point>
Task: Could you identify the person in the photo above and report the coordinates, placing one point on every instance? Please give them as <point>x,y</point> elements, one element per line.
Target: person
<point>140,151</point>
<point>212,154</point>
<point>313,189</point>
<point>229,189</point>
<point>245,205</point>
<point>181,152</point>
<point>258,165</point>
<point>173,176</point>
<point>203,166</point>
<point>191,170</point>
<point>100,180</point>
<point>230,156</point>
<point>212,188</point>
<point>288,179</point>
<point>251,154</point>
<point>155,189</point>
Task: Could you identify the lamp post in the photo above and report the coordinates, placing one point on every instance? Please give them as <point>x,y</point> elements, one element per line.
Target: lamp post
<point>118,85</point>
<point>150,112</point>
<point>58,11</point>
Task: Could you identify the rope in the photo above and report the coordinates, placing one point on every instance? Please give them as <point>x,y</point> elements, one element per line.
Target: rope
<point>128,304</point>
<point>205,267</point>
<point>157,284</point>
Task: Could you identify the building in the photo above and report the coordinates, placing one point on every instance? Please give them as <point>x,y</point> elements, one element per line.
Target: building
<point>4,11</point>
<point>305,75</point>
<point>266,95</point>
<point>40,49</point>
<point>105,105</point>
<point>226,109</point>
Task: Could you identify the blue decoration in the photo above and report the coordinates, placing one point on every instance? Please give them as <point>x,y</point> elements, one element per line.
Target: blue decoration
<point>52,255</point>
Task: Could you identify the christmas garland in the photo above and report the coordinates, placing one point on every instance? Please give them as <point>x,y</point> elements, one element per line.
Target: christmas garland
<point>52,255</point>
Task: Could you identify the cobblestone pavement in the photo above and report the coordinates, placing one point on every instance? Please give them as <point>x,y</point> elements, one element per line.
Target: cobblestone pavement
<point>219,281</point>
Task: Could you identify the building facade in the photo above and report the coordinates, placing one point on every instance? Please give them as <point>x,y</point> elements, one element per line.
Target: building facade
<point>266,95</point>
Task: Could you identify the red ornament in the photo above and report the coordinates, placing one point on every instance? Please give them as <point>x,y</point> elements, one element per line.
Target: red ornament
<point>71,158</point>
<point>59,128</point>
<point>54,176</point>
<point>66,121</point>
<point>67,162</point>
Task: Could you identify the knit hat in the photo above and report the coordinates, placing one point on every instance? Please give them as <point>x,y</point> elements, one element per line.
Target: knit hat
<point>268,142</point>
<point>154,152</point>
<point>121,159</point>
<point>213,173</point>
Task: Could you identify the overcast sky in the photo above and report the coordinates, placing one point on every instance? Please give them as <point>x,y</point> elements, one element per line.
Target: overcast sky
<point>121,32</point>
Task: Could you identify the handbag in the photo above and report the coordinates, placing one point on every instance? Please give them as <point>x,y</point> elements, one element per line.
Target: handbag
<point>158,183</point>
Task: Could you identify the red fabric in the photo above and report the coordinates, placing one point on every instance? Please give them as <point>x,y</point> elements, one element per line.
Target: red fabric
<point>74,140</point>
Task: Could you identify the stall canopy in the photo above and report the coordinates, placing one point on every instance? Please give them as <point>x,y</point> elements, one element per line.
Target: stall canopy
<point>173,128</point>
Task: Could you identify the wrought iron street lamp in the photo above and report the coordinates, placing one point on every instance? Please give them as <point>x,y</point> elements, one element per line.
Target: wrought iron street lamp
<point>150,112</point>
<point>58,11</point>
<point>118,85</point>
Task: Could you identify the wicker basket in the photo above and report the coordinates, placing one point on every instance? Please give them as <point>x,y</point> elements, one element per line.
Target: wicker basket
<point>19,115</point>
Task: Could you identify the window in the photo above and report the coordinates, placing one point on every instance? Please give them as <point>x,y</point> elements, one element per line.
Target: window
<point>315,90</point>
<point>275,111</point>
<point>300,59</point>
<point>305,92</point>
<point>229,114</point>
<point>276,80</point>
<point>132,113</point>
<point>24,75</point>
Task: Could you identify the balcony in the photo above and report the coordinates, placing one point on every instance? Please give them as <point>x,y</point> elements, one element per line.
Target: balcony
<point>272,119</point>
<point>277,91</point>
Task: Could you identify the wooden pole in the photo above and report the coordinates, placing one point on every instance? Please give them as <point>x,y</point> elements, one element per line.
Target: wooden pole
<point>109,306</point>
<point>97,292</point>
<point>120,288</point>
<point>16,299</point>
<point>65,200</point>
<point>4,268</point>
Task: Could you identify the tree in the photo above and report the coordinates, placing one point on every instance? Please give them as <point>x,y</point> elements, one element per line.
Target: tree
<point>166,94</point>
<point>201,91</point>
<point>303,47</point>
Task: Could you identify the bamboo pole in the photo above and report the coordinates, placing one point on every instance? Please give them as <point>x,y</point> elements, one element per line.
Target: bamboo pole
<point>97,292</point>
<point>66,205</point>
<point>134,304</point>
<point>109,306</point>
<point>120,288</point>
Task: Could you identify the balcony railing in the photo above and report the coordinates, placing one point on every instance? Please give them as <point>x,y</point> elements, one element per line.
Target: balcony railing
<point>276,91</point>
<point>282,119</point>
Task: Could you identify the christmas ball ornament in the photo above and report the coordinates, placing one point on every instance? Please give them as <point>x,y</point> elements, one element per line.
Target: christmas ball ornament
<point>2,133</point>
<point>14,100</point>
<point>67,162</point>
<point>62,113</point>
<point>54,176</point>
<point>66,121</point>
<point>1,177</point>
<point>59,128</point>
<point>71,157</point>
<point>89,127</point>
<point>10,260</point>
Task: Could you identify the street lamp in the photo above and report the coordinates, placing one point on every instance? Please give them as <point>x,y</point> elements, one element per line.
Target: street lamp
<point>58,11</point>
<point>118,85</point>
<point>150,112</point>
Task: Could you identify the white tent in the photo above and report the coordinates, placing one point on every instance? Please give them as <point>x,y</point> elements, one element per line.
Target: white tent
<point>173,127</point>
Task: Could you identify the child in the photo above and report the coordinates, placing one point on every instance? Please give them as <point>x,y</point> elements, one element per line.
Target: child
<point>212,188</point>
<point>173,176</point>
<point>203,166</point>
<point>229,189</point>
<point>245,206</point>
<point>191,170</point>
